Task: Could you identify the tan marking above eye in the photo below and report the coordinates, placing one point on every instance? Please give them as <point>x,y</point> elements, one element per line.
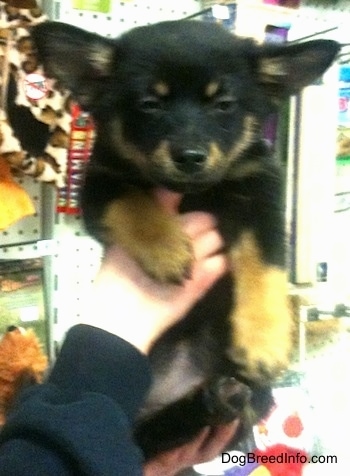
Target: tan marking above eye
<point>211,89</point>
<point>161,88</point>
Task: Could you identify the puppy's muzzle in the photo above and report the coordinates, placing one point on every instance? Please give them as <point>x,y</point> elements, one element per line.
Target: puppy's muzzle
<point>190,161</point>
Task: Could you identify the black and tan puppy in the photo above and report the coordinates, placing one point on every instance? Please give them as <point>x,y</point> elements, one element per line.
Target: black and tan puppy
<point>180,105</point>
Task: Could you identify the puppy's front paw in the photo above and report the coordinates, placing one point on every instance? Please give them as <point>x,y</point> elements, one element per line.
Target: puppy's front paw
<point>261,320</point>
<point>262,343</point>
<point>150,235</point>
<point>262,364</point>
<point>167,259</point>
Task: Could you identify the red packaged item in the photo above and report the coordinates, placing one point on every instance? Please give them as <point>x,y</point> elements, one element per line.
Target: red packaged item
<point>80,146</point>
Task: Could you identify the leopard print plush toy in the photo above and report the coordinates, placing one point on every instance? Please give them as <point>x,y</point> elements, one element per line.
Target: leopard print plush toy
<point>34,131</point>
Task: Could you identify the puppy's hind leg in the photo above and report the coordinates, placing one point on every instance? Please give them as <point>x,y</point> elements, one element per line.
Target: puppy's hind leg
<point>221,402</point>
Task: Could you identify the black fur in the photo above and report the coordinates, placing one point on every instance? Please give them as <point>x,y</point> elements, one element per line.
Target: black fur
<point>180,104</point>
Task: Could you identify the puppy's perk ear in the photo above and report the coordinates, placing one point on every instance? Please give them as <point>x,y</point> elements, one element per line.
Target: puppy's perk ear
<point>80,60</point>
<point>286,69</point>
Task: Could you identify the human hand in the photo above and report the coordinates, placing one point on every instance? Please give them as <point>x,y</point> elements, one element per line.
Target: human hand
<point>205,447</point>
<point>127,302</point>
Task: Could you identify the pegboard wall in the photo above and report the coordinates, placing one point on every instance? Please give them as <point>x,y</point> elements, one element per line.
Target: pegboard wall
<point>124,15</point>
<point>310,19</point>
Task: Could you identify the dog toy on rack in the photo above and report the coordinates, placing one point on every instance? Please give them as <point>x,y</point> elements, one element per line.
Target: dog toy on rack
<point>35,117</point>
<point>15,202</point>
<point>22,363</point>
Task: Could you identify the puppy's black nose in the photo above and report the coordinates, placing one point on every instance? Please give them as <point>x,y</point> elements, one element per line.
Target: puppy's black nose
<point>190,160</point>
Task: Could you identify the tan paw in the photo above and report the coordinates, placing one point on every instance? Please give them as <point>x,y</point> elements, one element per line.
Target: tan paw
<point>151,236</point>
<point>260,365</point>
<point>167,260</point>
<point>261,347</point>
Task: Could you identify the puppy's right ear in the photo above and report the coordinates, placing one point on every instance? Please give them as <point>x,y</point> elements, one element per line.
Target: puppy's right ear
<point>80,60</point>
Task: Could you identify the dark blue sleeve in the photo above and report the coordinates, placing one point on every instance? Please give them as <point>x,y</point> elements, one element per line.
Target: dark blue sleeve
<point>79,422</point>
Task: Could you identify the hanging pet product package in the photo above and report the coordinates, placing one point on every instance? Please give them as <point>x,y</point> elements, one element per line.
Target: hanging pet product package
<point>80,146</point>
<point>343,141</point>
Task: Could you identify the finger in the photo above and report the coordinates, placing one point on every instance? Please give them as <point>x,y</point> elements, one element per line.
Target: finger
<point>171,462</point>
<point>193,223</point>
<point>199,440</point>
<point>217,440</point>
<point>207,244</point>
<point>196,223</point>
<point>207,272</point>
<point>169,200</point>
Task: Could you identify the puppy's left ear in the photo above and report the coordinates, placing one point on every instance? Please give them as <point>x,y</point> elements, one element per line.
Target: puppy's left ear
<point>285,69</point>
<point>82,61</point>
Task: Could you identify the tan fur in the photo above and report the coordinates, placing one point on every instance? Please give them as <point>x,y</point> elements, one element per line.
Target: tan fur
<point>246,169</point>
<point>248,134</point>
<point>271,70</point>
<point>215,155</point>
<point>101,57</point>
<point>128,150</point>
<point>161,88</point>
<point>162,155</point>
<point>153,237</point>
<point>211,89</point>
<point>261,320</point>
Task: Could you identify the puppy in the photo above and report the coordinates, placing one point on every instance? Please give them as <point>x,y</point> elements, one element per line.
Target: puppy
<point>181,105</point>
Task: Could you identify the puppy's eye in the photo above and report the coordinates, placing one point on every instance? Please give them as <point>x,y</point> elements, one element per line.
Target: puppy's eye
<point>150,104</point>
<point>225,103</point>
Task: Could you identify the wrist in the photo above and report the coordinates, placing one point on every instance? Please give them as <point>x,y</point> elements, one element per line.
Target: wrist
<point>125,321</point>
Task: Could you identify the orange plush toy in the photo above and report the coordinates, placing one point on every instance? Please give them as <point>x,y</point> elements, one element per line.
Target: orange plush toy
<point>22,363</point>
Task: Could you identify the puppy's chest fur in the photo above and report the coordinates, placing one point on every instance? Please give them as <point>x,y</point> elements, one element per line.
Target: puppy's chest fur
<point>181,105</point>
